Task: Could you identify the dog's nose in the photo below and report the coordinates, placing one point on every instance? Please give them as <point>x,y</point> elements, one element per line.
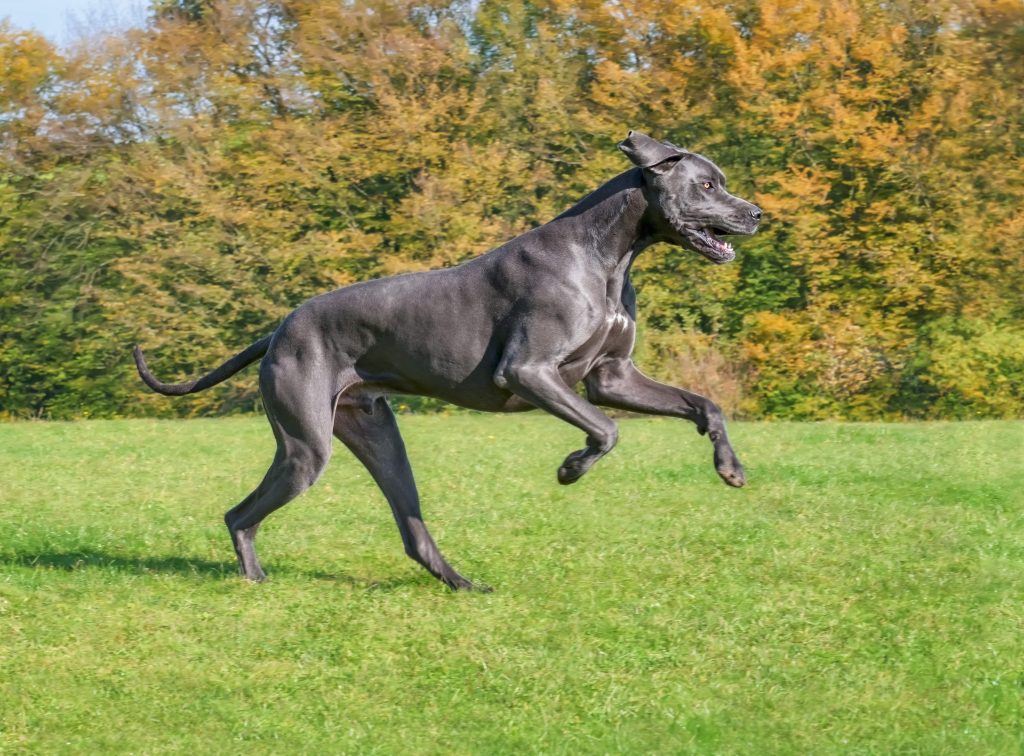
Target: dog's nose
<point>755,213</point>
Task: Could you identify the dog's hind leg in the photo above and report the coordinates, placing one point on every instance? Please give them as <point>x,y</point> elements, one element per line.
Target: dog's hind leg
<point>370,431</point>
<point>303,433</point>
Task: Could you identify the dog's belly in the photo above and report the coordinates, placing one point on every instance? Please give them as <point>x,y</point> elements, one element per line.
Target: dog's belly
<point>471,395</point>
<point>470,383</point>
<point>460,372</point>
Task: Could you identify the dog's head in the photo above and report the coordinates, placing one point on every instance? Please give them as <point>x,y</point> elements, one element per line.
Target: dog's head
<point>688,202</point>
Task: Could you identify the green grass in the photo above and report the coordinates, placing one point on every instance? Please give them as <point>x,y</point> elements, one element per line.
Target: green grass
<point>864,593</point>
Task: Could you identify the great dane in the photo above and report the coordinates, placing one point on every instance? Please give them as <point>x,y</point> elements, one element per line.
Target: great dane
<point>514,329</point>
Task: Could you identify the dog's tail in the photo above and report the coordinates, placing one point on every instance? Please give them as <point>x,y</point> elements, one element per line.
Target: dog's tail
<point>212,378</point>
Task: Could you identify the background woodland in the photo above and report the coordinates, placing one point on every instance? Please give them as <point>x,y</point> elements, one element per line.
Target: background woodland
<point>187,184</point>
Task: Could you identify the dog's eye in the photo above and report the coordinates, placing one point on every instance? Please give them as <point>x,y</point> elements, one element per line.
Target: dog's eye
<point>708,185</point>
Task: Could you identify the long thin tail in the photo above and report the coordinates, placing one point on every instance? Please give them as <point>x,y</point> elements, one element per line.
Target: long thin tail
<point>212,378</point>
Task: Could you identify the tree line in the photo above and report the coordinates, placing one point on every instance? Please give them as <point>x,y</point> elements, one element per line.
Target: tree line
<point>186,184</point>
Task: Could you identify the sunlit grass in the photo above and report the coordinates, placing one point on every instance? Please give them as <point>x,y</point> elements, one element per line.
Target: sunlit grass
<point>865,593</point>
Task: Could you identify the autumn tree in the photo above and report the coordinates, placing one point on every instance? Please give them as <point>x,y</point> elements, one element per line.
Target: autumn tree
<point>187,184</point>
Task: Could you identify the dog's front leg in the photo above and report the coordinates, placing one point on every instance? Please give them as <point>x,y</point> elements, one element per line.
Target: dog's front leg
<point>617,383</point>
<point>542,386</point>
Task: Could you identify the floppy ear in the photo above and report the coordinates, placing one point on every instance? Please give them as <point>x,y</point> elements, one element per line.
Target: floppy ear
<point>650,153</point>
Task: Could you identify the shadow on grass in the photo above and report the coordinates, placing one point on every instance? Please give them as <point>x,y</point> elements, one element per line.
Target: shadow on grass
<point>80,559</point>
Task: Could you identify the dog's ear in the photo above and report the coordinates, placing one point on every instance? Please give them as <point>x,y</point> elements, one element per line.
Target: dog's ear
<point>650,153</point>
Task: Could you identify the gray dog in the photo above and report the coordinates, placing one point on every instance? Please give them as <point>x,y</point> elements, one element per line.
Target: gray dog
<point>512,330</point>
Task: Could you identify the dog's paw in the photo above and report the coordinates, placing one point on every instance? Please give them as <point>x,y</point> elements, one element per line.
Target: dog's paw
<point>574,466</point>
<point>729,469</point>
<point>456,582</point>
<point>735,478</point>
<point>568,475</point>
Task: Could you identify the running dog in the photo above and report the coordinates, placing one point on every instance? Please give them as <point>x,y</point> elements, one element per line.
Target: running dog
<point>514,329</point>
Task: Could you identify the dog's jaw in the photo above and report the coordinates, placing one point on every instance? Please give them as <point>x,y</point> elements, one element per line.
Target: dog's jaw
<point>704,241</point>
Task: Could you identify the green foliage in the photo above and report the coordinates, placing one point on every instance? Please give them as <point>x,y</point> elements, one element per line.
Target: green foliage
<point>186,184</point>
<point>861,594</point>
<point>973,368</point>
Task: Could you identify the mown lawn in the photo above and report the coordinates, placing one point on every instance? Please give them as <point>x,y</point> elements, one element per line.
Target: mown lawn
<point>864,593</point>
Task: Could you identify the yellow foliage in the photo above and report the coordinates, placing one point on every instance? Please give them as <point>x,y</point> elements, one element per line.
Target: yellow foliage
<point>193,180</point>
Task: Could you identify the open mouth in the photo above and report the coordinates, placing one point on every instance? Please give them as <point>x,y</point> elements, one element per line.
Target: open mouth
<point>708,244</point>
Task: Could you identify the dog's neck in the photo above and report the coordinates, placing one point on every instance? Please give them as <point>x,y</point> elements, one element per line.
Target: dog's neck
<point>611,222</point>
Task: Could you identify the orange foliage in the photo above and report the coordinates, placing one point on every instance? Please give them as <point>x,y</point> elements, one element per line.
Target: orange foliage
<point>190,182</point>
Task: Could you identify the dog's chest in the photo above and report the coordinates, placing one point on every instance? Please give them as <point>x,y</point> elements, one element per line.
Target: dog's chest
<point>620,333</point>
<point>613,335</point>
<point>617,323</point>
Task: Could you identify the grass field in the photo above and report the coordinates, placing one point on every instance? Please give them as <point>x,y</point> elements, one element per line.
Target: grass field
<point>864,593</point>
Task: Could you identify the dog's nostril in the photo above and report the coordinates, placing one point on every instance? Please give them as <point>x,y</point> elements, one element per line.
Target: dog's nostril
<point>756,213</point>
